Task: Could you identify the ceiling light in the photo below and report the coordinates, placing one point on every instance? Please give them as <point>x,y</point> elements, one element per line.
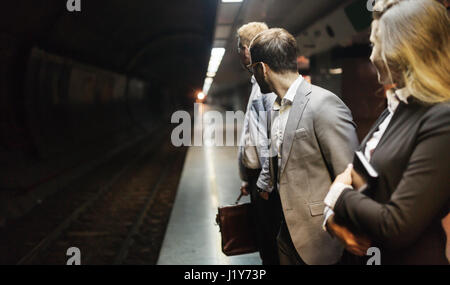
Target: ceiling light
<point>207,84</point>
<point>215,60</point>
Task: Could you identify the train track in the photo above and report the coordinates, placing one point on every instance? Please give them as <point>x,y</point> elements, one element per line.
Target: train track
<point>129,240</point>
<point>104,227</point>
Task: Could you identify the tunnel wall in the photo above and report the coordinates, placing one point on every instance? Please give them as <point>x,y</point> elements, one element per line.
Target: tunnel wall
<point>69,105</point>
<point>70,111</point>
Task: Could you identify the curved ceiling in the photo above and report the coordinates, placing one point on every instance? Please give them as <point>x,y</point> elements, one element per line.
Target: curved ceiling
<point>294,15</point>
<point>151,40</point>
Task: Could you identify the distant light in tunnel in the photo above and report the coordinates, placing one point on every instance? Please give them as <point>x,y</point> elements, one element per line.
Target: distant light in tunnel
<point>336,71</point>
<point>303,62</point>
<point>231,1</point>
<point>201,96</point>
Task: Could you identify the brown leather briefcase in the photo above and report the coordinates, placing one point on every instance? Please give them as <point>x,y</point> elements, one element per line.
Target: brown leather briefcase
<point>237,229</point>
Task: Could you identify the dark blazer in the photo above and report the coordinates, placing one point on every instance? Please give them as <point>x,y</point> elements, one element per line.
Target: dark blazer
<point>402,214</point>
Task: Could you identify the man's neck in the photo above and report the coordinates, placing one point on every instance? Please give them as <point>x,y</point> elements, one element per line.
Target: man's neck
<point>283,82</point>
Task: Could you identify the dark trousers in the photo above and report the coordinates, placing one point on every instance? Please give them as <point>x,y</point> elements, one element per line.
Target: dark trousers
<point>267,218</point>
<point>287,253</point>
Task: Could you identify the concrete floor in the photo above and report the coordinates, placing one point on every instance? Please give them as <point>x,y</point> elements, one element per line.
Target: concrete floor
<point>209,179</point>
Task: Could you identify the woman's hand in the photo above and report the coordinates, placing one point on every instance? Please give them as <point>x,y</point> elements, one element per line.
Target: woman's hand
<point>356,244</point>
<point>345,177</point>
<point>350,177</point>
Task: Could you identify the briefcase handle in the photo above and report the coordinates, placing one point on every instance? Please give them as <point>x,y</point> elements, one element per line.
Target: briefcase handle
<point>238,199</point>
<point>217,216</point>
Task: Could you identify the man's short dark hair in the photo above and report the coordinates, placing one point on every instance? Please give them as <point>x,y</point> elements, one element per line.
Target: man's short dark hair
<point>277,48</point>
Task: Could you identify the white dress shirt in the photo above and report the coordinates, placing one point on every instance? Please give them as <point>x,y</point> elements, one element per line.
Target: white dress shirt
<point>254,132</point>
<point>249,153</point>
<point>280,121</point>
<point>393,99</point>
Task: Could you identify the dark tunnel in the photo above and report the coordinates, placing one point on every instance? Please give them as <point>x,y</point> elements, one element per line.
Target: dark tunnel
<point>76,85</point>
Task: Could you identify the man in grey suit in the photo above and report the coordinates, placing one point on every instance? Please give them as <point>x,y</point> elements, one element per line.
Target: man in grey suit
<point>312,138</point>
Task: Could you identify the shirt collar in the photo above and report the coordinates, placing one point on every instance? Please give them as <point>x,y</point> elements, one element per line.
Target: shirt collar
<point>276,104</point>
<point>290,94</point>
<point>403,94</point>
<point>253,79</point>
<point>292,91</point>
<point>395,96</point>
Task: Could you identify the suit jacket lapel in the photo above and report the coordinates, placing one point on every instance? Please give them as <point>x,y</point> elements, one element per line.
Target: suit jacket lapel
<point>402,113</point>
<point>374,128</point>
<point>295,114</point>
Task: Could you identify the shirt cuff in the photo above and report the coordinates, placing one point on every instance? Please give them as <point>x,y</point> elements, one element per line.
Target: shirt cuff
<point>264,186</point>
<point>334,193</point>
<point>327,212</point>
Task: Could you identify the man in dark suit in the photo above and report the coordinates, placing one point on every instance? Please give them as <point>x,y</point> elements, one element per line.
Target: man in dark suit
<point>312,139</point>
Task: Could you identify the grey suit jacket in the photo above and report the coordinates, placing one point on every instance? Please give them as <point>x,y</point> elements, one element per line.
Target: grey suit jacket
<point>319,141</point>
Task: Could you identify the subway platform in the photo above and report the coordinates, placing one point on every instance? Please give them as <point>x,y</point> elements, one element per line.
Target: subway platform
<point>209,179</point>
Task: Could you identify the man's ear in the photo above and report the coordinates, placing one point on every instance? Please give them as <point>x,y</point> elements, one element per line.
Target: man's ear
<point>265,69</point>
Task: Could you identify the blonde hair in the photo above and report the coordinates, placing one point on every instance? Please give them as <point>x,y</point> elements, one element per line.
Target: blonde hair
<point>414,37</point>
<point>247,32</point>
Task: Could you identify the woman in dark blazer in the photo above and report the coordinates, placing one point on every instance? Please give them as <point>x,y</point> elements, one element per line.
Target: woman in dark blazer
<point>409,145</point>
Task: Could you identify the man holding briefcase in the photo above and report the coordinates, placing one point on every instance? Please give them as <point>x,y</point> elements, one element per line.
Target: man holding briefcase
<point>253,151</point>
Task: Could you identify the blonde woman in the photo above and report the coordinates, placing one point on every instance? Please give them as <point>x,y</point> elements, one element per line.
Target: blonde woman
<point>408,146</point>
